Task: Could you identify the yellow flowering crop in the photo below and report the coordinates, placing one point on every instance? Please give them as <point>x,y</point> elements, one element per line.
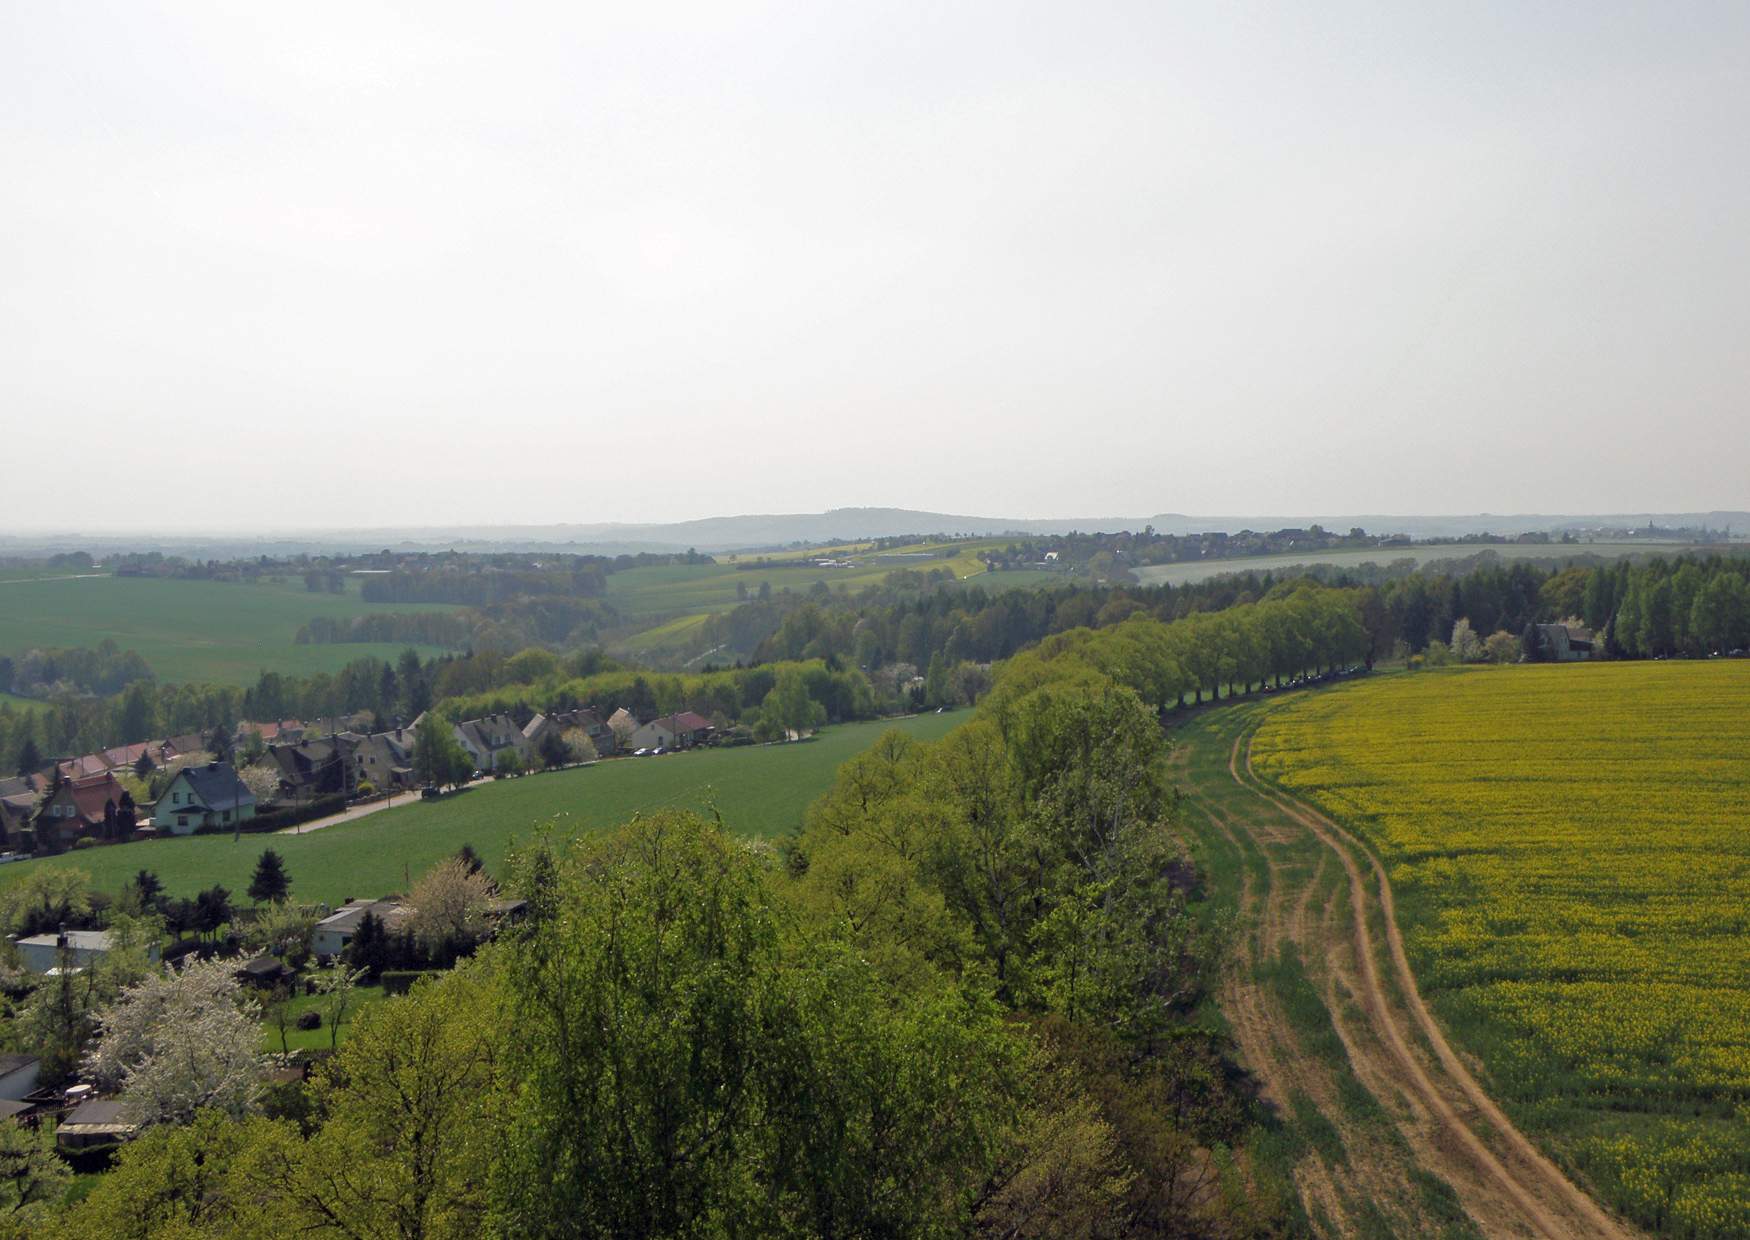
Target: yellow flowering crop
<point>1570,846</point>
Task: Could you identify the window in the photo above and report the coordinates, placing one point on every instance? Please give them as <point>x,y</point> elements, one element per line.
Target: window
<point>182,820</point>
<point>176,798</point>
<point>227,815</point>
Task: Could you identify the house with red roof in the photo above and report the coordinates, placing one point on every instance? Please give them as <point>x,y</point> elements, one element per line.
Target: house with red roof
<point>96,806</point>
<point>681,730</point>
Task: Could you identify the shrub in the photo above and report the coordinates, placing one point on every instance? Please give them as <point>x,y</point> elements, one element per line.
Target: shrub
<point>311,1019</point>
<point>84,841</point>
<point>400,981</point>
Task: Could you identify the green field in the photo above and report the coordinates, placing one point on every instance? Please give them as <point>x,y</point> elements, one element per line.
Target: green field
<point>675,589</point>
<point>1203,570</point>
<point>759,790</point>
<point>19,703</point>
<point>225,632</point>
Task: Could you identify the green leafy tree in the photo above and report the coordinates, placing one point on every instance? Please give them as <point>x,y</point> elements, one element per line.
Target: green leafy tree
<point>438,757</point>
<point>337,988</point>
<point>33,1179</point>
<point>789,708</point>
<point>674,1047</point>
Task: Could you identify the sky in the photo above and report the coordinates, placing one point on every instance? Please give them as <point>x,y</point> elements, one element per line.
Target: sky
<point>272,266</point>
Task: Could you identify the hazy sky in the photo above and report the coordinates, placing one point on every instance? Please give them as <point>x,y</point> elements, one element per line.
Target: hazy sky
<point>278,265</point>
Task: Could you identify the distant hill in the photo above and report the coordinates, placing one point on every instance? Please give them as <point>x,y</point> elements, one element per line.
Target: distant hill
<point>752,532</point>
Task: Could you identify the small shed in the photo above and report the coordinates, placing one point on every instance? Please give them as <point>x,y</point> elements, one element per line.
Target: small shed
<point>102,1121</point>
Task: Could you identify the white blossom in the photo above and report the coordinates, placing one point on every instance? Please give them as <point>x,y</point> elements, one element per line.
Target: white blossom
<point>181,1040</point>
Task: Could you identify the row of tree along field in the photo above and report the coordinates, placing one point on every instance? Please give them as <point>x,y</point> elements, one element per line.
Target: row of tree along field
<point>959,1002</point>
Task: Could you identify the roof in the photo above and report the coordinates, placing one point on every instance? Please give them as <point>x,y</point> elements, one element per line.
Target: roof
<point>492,733</point>
<point>78,940</point>
<point>534,725</point>
<point>98,1116</point>
<point>90,795</point>
<point>127,755</point>
<point>85,766</point>
<point>345,919</point>
<point>12,1110</point>
<point>12,1063</point>
<point>216,786</point>
<point>688,721</point>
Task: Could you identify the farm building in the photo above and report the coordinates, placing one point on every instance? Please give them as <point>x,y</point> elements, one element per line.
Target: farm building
<point>1562,644</point>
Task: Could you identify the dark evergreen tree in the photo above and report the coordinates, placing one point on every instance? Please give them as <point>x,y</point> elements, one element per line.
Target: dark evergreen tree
<point>1531,644</point>
<point>369,948</point>
<point>212,909</point>
<point>271,882</point>
<point>30,758</point>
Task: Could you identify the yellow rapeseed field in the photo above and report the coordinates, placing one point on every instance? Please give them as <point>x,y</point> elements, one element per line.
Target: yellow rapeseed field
<point>1570,846</point>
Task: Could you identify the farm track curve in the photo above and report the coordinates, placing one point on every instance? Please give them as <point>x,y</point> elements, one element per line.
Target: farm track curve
<point>1435,1121</point>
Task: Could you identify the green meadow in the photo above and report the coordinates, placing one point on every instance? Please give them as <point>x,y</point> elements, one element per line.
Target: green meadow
<point>759,791</point>
<point>218,631</point>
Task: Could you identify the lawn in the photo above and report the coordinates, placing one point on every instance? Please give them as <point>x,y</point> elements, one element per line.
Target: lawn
<point>188,630</point>
<point>759,790</point>
<point>314,1039</point>
<point>1570,849</point>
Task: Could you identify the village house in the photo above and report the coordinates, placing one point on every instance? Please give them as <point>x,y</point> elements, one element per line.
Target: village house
<point>203,796</point>
<point>314,768</point>
<point>484,739</point>
<point>558,723</point>
<point>171,748</point>
<point>276,732</point>
<point>16,811</point>
<point>681,730</point>
<point>623,723</point>
<point>384,760</point>
<point>42,952</point>
<point>335,931</point>
<point>124,758</point>
<point>97,806</point>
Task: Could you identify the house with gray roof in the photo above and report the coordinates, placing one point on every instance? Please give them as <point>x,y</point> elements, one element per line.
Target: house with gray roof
<point>203,796</point>
<point>484,739</point>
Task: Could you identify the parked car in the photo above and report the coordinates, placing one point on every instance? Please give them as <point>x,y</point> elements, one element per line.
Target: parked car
<point>429,793</point>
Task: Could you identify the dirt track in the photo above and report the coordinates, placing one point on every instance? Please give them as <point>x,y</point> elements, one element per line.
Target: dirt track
<point>1412,1145</point>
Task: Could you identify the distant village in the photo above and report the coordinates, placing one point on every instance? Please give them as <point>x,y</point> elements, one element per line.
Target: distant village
<point>264,776</point>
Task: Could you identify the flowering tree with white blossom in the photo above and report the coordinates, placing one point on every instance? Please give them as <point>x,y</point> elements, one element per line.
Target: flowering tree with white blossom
<point>179,1041</point>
